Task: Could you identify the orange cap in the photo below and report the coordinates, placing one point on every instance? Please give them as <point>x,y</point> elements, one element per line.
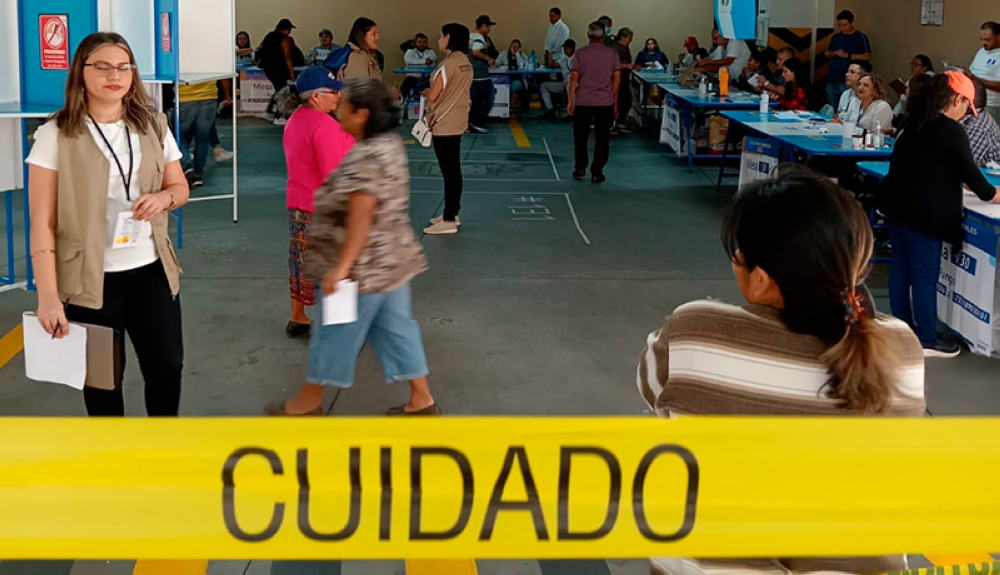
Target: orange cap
<point>963,86</point>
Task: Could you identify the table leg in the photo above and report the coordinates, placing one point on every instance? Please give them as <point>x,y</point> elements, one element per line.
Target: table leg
<point>725,154</point>
<point>690,149</point>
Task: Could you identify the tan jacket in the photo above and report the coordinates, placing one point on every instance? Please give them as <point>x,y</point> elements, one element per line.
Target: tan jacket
<point>81,219</point>
<point>360,64</point>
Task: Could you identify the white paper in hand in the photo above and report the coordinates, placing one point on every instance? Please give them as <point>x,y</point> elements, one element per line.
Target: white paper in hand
<point>129,231</point>
<point>62,361</point>
<point>342,306</point>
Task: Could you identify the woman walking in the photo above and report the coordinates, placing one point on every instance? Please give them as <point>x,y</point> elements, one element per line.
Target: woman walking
<point>922,198</point>
<point>105,159</point>
<point>361,232</point>
<point>315,144</point>
<point>449,98</point>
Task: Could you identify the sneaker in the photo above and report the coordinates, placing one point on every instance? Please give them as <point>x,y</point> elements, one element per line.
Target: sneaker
<point>580,174</point>
<point>599,178</point>
<point>222,155</point>
<point>195,182</point>
<point>614,131</point>
<point>439,219</point>
<point>188,171</point>
<point>942,349</point>
<point>622,130</point>
<point>442,228</point>
<point>265,116</point>
<point>279,121</point>
<point>476,129</point>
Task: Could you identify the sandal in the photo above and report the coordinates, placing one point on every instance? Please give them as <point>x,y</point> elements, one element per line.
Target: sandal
<point>280,410</point>
<point>432,409</point>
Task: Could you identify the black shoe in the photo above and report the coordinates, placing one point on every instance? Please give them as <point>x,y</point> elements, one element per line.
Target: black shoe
<point>580,174</point>
<point>942,349</point>
<point>599,179</point>
<point>297,330</point>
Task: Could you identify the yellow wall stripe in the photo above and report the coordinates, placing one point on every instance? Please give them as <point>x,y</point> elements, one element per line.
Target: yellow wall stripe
<point>442,567</point>
<point>11,345</point>
<point>519,136</point>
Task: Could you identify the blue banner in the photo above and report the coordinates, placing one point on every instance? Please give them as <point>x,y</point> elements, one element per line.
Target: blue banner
<point>737,19</point>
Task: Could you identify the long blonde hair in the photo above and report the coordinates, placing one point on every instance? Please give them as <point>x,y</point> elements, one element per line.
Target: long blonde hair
<point>137,112</point>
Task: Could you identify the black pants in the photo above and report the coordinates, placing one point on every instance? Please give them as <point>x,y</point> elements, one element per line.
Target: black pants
<point>139,303</point>
<point>624,100</point>
<point>412,87</point>
<point>279,81</point>
<point>602,118</point>
<point>449,155</point>
<point>483,95</point>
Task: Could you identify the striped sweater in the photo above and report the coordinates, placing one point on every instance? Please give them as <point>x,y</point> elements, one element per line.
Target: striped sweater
<point>712,358</point>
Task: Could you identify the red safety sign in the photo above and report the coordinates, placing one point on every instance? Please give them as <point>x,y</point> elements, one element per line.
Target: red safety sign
<point>165,31</point>
<point>53,29</point>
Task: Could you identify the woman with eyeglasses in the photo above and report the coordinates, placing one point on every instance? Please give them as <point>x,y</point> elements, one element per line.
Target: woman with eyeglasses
<point>104,173</point>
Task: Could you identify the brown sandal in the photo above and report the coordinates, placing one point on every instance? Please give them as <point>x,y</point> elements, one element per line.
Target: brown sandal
<point>280,410</point>
<point>432,409</point>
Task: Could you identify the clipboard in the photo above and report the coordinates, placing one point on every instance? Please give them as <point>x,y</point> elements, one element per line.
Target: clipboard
<point>899,86</point>
<point>103,356</point>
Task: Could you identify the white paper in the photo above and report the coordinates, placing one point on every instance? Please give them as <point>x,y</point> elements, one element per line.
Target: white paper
<point>129,232</point>
<point>62,361</point>
<point>342,306</point>
<point>787,115</point>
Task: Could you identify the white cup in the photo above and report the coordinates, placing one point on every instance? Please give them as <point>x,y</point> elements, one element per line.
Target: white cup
<point>849,129</point>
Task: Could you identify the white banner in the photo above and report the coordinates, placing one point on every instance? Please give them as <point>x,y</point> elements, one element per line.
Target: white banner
<point>255,92</point>
<point>670,132</point>
<point>966,288</point>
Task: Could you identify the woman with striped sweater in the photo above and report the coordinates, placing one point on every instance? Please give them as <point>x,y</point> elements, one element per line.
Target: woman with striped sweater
<point>808,344</point>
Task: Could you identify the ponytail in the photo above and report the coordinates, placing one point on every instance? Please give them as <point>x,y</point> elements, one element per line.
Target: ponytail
<point>863,364</point>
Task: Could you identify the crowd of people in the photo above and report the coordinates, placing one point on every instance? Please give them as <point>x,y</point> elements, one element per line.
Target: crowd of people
<point>799,244</point>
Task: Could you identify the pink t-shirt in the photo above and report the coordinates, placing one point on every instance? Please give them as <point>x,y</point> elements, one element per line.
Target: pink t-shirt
<point>315,144</point>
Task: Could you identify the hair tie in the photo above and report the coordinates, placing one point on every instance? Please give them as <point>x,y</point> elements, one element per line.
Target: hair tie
<point>853,306</point>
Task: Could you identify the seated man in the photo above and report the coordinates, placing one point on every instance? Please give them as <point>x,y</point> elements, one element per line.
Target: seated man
<point>751,78</point>
<point>319,53</point>
<point>420,56</point>
<point>776,84</point>
<point>559,87</point>
<point>984,135</point>
<point>736,56</point>
<point>849,107</point>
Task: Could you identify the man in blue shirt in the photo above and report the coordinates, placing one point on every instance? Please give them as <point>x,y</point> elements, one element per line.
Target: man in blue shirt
<point>847,46</point>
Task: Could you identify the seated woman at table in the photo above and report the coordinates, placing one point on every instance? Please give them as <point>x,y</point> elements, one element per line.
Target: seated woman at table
<point>876,113</point>
<point>513,58</point>
<point>652,57</point>
<point>796,77</point>
<point>923,201</point>
<point>244,50</point>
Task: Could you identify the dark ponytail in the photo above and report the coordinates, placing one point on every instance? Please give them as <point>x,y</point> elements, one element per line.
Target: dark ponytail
<point>815,242</point>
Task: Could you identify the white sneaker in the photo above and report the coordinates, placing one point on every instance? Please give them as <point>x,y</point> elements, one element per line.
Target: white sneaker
<point>442,228</point>
<point>265,116</point>
<point>280,121</point>
<point>439,219</point>
<point>222,155</point>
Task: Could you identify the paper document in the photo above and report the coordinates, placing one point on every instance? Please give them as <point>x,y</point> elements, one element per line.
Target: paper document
<point>789,115</point>
<point>342,306</point>
<point>129,231</point>
<point>62,361</point>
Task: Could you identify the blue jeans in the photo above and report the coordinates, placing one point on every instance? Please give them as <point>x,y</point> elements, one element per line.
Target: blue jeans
<point>196,124</point>
<point>913,280</point>
<point>834,91</point>
<point>386,321</point>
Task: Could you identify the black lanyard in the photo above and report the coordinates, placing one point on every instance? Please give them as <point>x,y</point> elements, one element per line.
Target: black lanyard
<point>131,158</point>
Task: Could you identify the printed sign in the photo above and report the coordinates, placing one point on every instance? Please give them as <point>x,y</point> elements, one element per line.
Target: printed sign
<point>760,158</point>
<point>966,287</point>
<point>255,92</point>
<point>670,132</point>
<point>53,30</point>
<point>165,32</point>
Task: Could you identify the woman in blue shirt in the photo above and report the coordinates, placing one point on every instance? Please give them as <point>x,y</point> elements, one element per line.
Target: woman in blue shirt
<point>652,56</point>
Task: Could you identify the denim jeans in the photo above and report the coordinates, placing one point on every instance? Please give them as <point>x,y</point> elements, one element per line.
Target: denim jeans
<point>913,280</point>
<point>196,124</point>
<point>834,91</point>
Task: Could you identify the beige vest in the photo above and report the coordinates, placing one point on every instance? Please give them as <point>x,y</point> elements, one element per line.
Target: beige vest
<point>81,224</point>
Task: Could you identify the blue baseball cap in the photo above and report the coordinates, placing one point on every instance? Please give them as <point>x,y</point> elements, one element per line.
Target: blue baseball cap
<point>317,77</point>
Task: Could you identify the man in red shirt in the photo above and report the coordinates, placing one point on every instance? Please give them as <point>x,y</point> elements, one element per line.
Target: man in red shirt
<point>593,100</point>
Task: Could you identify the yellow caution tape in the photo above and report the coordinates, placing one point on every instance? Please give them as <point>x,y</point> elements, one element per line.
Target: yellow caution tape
<point>984,568</point>
<point>453,488</point>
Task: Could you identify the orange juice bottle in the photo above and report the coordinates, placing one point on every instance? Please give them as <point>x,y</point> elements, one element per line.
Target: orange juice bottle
<point>724,82</point>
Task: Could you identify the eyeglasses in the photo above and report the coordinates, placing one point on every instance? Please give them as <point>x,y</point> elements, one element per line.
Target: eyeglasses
<point>107,67</point>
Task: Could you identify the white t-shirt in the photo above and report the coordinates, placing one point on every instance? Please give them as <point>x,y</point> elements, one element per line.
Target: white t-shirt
<point>45,154</point>
<point>737,49</point>
<point>879,113</point>
<point>987,66</point>
<point>850,107</point>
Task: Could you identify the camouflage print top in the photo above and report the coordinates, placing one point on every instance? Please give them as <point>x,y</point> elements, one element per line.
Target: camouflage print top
<point>393,256</point>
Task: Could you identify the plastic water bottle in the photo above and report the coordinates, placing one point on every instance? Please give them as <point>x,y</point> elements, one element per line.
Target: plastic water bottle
<point>534,60</point>
<point>703,88</point>
<point>724,82</point>
<point>879,139</point>
<point>765,103</point>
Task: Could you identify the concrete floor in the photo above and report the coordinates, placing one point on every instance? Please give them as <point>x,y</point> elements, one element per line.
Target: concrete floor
<point>539,307</point>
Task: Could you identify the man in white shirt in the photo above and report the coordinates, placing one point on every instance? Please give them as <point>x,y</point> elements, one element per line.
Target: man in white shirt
<point>420,56</point>
<point>555,39</point>
<point>549,88</point>
<point>737,56</point>
<point>849,107</point>
<point>986,66</point>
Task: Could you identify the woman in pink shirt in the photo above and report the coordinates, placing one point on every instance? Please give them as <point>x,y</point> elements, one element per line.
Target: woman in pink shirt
<point>315,143</point>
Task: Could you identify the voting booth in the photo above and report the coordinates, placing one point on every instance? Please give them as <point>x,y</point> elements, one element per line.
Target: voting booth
<point>175,42</point>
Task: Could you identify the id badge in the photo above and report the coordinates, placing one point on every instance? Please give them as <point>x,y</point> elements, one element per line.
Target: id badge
<point>129,231</point>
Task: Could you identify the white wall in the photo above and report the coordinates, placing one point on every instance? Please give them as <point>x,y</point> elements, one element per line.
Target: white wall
<point>207,37</point>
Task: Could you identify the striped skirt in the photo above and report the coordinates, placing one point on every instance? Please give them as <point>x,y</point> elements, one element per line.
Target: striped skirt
<point>299,285</point>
